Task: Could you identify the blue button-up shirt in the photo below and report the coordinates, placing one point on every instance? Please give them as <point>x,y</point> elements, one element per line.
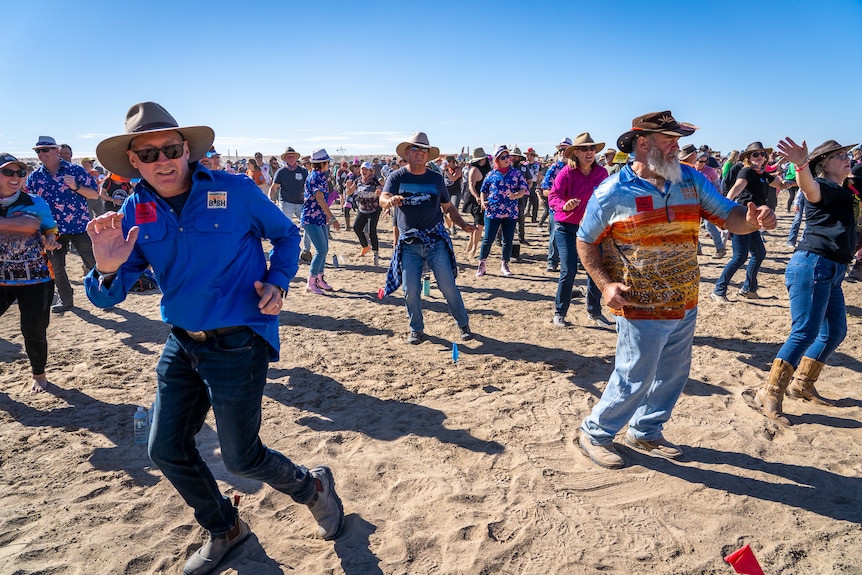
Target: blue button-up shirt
<point>68,207</point>
<point>207,259</point>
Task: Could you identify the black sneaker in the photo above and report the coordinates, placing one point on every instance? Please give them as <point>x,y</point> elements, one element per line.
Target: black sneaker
<point>326,506</point>
<point>415,337</point>
<point>466,334</point>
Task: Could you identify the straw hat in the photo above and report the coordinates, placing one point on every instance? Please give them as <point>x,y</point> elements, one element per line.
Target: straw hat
<point>419,139</point>
<point>150,118</point>
<point>654,123</point>
<point>516,151</point>
<point>288,152</point>
<point>478,155</point>
<point>583,140</point>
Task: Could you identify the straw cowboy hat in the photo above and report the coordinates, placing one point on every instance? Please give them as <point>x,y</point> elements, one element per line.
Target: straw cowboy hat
<point>419,139</point>
<point>288,152</point>
<point>654,123</point>
<point>516,151</point>
<point>583,140</point>
<point>823,151</point>
<point>754,147</point>
<point>478,155</point>
<point>150,118</point>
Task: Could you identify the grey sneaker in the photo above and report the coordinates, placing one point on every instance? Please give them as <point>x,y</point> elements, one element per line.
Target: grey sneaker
<point>61,307</point>
<point>560,321</point>
<point>748,294</point>
<point>659,447</point>
<point>414,337</point>
<point>600,320</point>
<point>215,549</point>
<point>466,334</point>
<point>326,506</point>
<point>604,455</point>
<point>718,298</point>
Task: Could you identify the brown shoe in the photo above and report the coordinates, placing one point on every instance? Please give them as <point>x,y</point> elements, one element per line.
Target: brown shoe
<point>207,558</point>
<point>804,378</point>
<point>603,455</point>
<point>769,398</point>
<point>658,447</point>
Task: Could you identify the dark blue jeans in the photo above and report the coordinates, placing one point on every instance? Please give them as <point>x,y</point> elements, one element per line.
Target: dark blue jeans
<point>817,308</point>
<point>491,227</point>
<point>566,239</point>
<point>742,245</point>
<point>227,373</point>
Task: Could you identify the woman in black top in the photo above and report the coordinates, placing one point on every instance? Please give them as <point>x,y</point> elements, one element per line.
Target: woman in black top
<point>814,274</point>
<point>752,184</point>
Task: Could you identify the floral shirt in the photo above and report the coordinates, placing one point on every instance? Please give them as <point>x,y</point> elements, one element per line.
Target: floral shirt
<point>498,189</point>
<point>551,175</point>
<point>68,208</point>
<point>312,213</point>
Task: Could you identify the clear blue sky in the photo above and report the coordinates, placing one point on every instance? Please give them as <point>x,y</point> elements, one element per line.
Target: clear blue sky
<point>363,76</point>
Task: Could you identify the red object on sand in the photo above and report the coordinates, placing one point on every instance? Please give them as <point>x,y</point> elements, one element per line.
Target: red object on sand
<point>236,497</point>
<point>380,293</point>
<point>744,561</point>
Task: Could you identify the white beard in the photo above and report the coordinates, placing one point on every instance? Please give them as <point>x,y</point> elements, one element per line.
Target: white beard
<point>670,170</point>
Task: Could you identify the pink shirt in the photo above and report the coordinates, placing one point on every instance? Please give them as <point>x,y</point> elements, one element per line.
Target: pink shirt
<point>572,183</point>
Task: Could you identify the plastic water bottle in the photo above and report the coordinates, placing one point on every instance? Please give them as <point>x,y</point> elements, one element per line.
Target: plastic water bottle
<point>151,412</point>
<point>141,427</point>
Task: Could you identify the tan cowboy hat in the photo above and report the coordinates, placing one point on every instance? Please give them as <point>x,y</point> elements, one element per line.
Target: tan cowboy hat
<point>418,139</point>
<point>754,147</point>
<point>288,152</point>
<point>516,151</point>
<point>478,155</point>
<point>654,123</point>
<point>583,140</point>
<point>148,118</point>
<point>822,151</point>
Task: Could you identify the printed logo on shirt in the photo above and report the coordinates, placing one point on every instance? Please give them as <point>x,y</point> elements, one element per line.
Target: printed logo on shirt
<point>216,200</point>
<point>145,213</point>
<point>415,194</point>
<point>298,175</point>
<point>644,203</point>
<point>688,192</point>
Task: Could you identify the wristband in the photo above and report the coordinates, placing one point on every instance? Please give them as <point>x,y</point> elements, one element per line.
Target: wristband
<point>801,166</point>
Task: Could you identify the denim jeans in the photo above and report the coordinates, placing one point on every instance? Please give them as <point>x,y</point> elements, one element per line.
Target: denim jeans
<point>653,360</point>
<point>793,234</point>
<point>414,257</point>
<point>295,210</point>
<point>817,311</point>
<point>319,236</point>
<point>229,374</point>
<point>742,245</point>
<point>491,227</point>
<point>553,252</point>
<point>715,234</point>
<point>566,237</point>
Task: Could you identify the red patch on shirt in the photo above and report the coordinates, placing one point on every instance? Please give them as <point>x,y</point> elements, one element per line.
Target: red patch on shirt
<point>644,203</point>
<point>145,213</point>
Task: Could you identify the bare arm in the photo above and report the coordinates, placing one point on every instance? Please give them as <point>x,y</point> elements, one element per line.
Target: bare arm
<point>19,223</point>
<point>612,292</point>
<point>745,220</point>
<point>798,154</point>
<point>449,208</point>
<point>738,186</point>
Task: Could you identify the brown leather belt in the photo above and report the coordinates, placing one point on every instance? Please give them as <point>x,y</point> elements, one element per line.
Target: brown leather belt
<point>211,333</point>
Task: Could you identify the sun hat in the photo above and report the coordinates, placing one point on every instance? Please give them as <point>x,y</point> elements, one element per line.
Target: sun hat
<point>418,139</point>
<point>88,160</point>
<point>319,156</point>
<point>610,151</point>
<point>149,118</point>
<point>565,143</point>
<point>754,147</point>
<point>289,151</point>
<point>6,158</point>
<point>822,151</point>
<point>500,150</point>
<point>583,140</point>
<point>46,142</point>
<point>367,166</point>
<point>478,155</point>
<point>654,123</point>
<point>532,151</point>
<point>701,155</point>
<point>516,151</point>
<point>686,151</point>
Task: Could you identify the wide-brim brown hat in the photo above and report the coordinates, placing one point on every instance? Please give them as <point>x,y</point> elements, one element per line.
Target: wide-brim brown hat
<point>516,151</point>
<point>686,151</point>
<point>583,140</point>
<point>754,147</point>
<point>288,152</point>
<point>149,118</point>
<point>418,139</point>
<point>822,151</point>
<point>654,123</point>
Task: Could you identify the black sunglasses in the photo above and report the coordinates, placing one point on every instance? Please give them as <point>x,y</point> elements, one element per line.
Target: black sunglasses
<point>503,157</point>
<point>43,150</point>
<point>150,155</point>
<point>417,149</point>
<point>758,154</point>
<point>9,172</point>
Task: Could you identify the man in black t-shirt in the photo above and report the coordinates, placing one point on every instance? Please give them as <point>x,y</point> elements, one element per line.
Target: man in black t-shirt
<point>288,185</point>
<point>417,195</point>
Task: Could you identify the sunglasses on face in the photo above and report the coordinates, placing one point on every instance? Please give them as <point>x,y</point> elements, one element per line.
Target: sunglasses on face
<point>43,150</point>
<point>585,149</point>
<point>758,154</point>
<point>417,149</point>
<point>701,161</point>
<point>504,157</point>
<point>150,155</point>
<point>9,172</point>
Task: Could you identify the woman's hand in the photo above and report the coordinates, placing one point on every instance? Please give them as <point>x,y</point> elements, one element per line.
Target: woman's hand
<point>796,153</point>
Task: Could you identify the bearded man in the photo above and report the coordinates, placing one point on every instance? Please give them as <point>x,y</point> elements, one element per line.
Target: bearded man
<point>638,241</point>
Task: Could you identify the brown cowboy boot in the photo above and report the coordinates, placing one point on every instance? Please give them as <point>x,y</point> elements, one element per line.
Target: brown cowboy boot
<point>770,396</point>
<point>802,386</point>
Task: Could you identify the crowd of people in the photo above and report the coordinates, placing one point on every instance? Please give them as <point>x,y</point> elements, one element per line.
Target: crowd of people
<point>630,217</point>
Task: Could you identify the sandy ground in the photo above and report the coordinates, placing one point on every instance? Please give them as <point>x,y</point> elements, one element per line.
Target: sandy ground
<point>467,467</point>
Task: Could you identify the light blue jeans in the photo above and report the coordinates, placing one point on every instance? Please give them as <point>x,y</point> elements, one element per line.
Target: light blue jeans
<point>414,257</point>
<point>295,210</point>
<point>653,360</point>
<point>715,234</point>
<point>817,308</point>
<point>319,236</point>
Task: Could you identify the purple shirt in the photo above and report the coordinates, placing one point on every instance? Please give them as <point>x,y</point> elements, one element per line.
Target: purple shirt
<point>572,183</point>
<point>68,207</point>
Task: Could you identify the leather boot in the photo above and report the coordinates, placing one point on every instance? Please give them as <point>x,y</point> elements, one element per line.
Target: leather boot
<point>312,285</point>
<point>802,386</point>
<point>770,396</point>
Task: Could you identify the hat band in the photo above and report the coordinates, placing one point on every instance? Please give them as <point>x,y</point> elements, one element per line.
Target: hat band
<point>153,126</point>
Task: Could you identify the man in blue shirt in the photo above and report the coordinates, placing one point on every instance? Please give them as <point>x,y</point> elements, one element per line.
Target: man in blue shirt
<point>201,232</point>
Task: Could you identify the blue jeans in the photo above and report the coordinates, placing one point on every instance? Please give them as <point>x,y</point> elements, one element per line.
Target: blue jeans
<point>565,235</point>
<point>414,257</point>
<point>319,236</point>
<point>793,234</point>
<point>817,311</point>
<point>491,227</point>
<point>742,245</point>
<point>653,360</point>
<point>553,252</point>
<point>715,234</point>
<point>295,210</point>
<point>227,373</point>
